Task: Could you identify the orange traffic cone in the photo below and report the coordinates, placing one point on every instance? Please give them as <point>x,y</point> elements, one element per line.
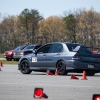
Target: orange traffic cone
<point>74,77</point>
<point>38,93</point>
<point>56,72</point>
<point>1,65</point>
<point>49,73</point>
<point>84,76</point>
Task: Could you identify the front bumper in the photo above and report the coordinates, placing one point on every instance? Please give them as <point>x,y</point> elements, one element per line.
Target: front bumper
<point>17,56</point>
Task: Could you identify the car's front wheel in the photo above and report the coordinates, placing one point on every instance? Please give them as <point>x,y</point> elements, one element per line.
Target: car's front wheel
<point>8,59</point>
<point>24,67</point>
<point>61,67</point>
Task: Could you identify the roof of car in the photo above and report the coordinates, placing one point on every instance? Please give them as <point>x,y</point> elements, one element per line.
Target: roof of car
<point>33,44</point>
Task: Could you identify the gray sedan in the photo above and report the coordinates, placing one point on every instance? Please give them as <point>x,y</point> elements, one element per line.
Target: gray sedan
<point>51,56</point>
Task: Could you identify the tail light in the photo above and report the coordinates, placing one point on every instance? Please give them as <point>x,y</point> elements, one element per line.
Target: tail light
<point>9,53</point>
<point>75,57</point>
<point>95,52</point>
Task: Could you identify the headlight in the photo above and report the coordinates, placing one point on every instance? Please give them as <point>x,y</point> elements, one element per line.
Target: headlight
<point>9,53</point>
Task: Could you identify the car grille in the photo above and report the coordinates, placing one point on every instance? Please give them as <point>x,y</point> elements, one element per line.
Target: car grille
<point>17,53</point>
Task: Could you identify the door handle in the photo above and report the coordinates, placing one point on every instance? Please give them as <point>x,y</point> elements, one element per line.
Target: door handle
<point>44,55</point>
<point>58,53</point>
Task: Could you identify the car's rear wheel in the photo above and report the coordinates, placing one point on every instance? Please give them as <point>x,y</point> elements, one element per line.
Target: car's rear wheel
<point>24,67</point>
<point>90,73</point>
<point>61,67</point>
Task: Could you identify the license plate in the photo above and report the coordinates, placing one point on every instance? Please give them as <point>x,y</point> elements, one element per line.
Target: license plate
<point>90,66</point>
<point>34,59</point>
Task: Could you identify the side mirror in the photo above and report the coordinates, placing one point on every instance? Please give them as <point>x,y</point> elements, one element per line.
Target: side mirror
<point>34,51</point>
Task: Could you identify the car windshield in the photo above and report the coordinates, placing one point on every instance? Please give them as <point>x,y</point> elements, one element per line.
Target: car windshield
<point>18,48</point>
<point>84,49</point>
<point>29,47</point>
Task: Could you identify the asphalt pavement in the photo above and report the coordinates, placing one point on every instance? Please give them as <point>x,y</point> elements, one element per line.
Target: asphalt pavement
<point>16,86</point>
<point>2,59</point>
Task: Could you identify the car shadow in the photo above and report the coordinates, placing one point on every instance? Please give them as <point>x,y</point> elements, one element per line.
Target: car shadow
<point>69,74</point>
<point>38,73</point>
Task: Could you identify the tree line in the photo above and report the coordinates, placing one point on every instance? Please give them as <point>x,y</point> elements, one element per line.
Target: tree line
<point>29,27</point>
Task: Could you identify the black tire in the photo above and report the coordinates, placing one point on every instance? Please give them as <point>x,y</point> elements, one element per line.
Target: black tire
<point>90,73</point>
<point>24,67</point>
<point>61,68</point>
<point>14,59</point>
<point>8,59</point>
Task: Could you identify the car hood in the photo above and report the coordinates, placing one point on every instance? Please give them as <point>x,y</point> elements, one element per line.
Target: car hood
<point>27,56</point>
<point>24,50</point>
<point>19,51</point>
<point>29,50</point>
<point>30,55</point>
<point>10,51</point>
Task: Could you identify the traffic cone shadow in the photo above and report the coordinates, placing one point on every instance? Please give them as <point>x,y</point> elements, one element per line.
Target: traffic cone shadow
<point>49,73</point>
<point>56,72</point>
<point>84,76</point>
<point>74,77</point>
<point>44,95</point>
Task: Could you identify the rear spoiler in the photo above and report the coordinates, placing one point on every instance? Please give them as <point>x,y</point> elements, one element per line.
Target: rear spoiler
<point>76,49</point>
<point>93,50</point>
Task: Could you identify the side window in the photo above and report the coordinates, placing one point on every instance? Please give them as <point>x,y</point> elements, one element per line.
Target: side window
<point>44,49</point>
<point>71,47</point>
<point>56,48</point>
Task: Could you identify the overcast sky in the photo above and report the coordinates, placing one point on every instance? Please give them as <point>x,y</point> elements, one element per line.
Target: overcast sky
<point>46,7</point>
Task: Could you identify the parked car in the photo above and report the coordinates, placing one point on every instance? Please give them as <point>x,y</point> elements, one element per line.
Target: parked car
<point>9,54</point>
<point>27,50</point>
<point>66,57</point>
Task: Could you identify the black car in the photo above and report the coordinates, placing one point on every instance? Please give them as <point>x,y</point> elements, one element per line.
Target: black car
<point>27,50</point>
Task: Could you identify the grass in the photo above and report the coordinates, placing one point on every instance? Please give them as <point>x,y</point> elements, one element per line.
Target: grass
<point>1,55</point>
<point>7,62</point>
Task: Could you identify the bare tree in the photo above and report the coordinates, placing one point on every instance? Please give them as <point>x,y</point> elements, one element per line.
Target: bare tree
<point>52,29</point>
<point>88,27</point>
